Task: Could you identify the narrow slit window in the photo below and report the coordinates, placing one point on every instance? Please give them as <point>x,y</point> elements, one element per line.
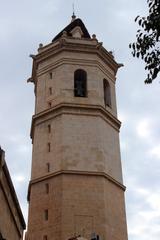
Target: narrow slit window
<point>47,188</point>
<point>50,90</point>
<point>49,104</point>
<point>49,128</point>
<point>49,146</point>
<point>80,83</point>
<point>46,214</point>
<point>50,75</point>
<point>48,167</point>
<point>45,237</point>
<point>107,93</point>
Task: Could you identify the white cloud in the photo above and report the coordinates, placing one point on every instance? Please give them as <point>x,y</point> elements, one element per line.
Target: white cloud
<point>18,178</point>
<point>123,117</point>
<point>144,128</point>
<point>155,151</point>
<point>149,215</point>
<point>124,145</point>
<point>143,191</point>
<point>23,149</point>
<point>145,212</point>
<point>154,200</point>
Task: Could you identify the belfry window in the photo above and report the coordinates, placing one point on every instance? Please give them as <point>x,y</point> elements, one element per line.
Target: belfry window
<point>107,93</point>
<point>80,83</point>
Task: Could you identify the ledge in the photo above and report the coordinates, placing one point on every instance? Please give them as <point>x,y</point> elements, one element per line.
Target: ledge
<point>74,172</point>
<point>71,108</point>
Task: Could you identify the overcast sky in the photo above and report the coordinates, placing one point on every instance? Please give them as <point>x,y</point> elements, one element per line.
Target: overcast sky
<point>26,23</point>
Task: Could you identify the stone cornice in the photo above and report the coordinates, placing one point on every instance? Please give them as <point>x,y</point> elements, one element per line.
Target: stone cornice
<point>73,45</point>
<point>74,172</point>
<point>72,108</point>
<point>78,45</point>
<point>80,48</point>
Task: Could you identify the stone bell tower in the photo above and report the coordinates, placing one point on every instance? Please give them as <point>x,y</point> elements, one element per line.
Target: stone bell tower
<point>76,186</point>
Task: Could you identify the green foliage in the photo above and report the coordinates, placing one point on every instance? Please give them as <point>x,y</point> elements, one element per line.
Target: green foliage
<point>147,46</point>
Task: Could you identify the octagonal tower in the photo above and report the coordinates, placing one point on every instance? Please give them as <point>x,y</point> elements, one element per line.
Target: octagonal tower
<point>76,186</point>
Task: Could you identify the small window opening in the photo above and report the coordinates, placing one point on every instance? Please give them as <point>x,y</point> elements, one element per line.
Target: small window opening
<point>80,83</point>
<point>107,93</point>
<point>45,237</point>
<point>50,75</point>
<point>47,188</point>
<point>49,128</point>
<point>46,214</point>
<point>49,146</point>
<point>49,104</point>
<point>50,90</point>
<point>48,167</point>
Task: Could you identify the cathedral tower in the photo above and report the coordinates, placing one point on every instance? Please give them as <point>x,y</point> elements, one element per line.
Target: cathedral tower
<point>76,186</point>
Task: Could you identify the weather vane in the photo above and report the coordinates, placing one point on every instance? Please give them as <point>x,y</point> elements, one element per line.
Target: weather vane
<point>73,8</point>
<point>73,16</point>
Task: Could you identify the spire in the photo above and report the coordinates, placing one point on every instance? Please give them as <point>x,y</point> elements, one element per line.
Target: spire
<point>73,15</point>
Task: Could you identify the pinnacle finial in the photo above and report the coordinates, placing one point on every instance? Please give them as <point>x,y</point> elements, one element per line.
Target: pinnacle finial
<point>73,15</point>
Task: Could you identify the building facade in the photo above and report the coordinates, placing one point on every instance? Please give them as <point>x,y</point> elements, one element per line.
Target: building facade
<point>76,186</point>
<point>12,222</point>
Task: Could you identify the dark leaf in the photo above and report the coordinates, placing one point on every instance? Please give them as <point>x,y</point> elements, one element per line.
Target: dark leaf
<point>136,18</point>
<point>139,22</point>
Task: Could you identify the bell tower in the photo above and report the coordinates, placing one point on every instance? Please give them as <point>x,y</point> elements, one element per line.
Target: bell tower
<point>76,186</point>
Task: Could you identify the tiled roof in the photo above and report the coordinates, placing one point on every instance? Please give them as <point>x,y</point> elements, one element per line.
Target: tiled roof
<point>76,23</point>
